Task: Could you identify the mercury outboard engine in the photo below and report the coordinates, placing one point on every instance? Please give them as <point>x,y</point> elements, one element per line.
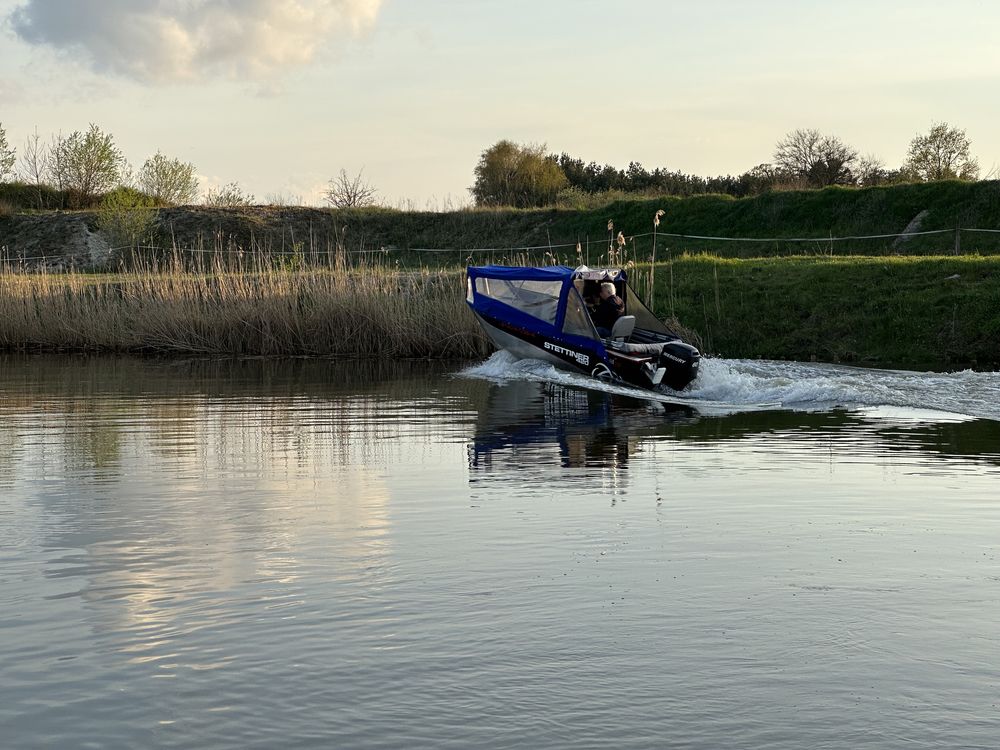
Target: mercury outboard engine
<point>680,361</point>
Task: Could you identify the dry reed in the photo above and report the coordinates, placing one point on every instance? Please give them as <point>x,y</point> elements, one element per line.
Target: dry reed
<point>254,308</point>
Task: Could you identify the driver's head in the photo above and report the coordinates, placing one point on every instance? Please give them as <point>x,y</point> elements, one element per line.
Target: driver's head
<point>607,290</point>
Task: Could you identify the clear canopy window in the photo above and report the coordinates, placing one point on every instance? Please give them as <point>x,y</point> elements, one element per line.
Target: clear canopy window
<point>578,320</point>
<point>539,299</point>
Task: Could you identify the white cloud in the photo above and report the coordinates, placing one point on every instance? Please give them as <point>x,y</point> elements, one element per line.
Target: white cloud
<point>188,40</point>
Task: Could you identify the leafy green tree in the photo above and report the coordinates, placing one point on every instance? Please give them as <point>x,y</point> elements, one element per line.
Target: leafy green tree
<point>7,156</point>
<point>511,174</point>
<point>168,181</point>
<point>941,154</point>
<point>88,164</point>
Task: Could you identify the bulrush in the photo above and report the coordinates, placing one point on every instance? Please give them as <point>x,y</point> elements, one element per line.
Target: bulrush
<point>256,309</point>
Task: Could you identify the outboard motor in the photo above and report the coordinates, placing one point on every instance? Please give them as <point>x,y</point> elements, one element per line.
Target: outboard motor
<point>680,361</point>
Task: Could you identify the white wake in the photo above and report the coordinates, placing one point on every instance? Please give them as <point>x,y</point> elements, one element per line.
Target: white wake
<point>737,385</point>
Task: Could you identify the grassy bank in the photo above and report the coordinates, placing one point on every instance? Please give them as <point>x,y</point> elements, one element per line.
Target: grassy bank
<point>405,236</point>
<point>836,212</point>
<point>932,312</point>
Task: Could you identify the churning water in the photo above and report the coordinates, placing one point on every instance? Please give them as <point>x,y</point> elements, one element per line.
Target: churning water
<point>735,385</point>
<point>311,554</point>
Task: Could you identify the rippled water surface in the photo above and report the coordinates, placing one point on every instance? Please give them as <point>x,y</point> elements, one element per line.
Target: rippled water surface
<point>312,554</point>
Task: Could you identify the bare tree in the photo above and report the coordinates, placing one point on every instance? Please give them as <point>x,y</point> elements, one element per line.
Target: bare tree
<point>7,156</point>
<point>816,159</point>
<point>942,154</point>
<point>350,192</point>
<point>168,181</point>
<point>798,151</point>
<point>34,164</point>
<point>870,171</point>
<point>34,160</point>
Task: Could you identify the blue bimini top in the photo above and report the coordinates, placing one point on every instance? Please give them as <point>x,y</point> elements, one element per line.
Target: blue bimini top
<point>523,273</point>
<point>545,273</point>
<point>535,299</point>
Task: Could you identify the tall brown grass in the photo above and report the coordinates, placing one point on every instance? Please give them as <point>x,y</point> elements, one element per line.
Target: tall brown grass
<point>252,308</point>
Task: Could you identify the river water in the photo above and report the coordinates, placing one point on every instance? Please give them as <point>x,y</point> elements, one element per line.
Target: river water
<point>205,554</point>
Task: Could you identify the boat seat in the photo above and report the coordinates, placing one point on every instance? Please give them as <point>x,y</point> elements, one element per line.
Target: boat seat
<point>623,328</point>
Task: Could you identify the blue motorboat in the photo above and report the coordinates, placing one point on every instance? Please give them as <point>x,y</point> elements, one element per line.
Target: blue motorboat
<point>542,313</point>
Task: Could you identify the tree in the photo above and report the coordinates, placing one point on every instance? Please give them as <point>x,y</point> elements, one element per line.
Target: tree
<point>870,171</point>
<point>350,192</point>
<point>228,196</point>
<point>33,163</point>
<point>7,156</point>
<point>53,162</point>
<point>168,181</point>
<point>817,160</point>
<point>511,174</point>
<point>942,154</point>
<point>759,179</point>
<point>87,163</point>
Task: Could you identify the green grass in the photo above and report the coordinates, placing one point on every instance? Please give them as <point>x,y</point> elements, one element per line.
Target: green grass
<point>818,214</point>
<point>934,312</point>
<point>795,214</point>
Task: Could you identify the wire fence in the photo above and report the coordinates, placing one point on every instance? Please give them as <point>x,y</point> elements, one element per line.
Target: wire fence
<point>610,248</point>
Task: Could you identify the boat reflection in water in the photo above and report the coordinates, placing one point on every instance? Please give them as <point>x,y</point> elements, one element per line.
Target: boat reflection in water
<point>531,423</point>
<point>529,426</point>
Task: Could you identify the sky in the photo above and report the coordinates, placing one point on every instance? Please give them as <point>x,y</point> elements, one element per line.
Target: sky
<point>280,95</point>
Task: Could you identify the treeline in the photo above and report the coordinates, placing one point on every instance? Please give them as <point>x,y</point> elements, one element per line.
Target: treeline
<point>86,169</point>
<point>518,175</point>
<point>82,169</point>
<point>592,178</point>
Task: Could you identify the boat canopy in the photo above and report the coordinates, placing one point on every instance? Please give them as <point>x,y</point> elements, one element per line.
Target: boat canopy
<point>544,298</point>
<point>546,273</point>
<point>541,299</point>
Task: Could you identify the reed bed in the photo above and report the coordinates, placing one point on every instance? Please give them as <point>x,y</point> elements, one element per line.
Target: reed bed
<point>252,308</point>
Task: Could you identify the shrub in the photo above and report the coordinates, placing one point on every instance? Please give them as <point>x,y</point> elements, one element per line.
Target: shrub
<point>228,196</point>
<point>168,181</point>
<point>126,216</point>
<point>345,191</point>
<point>511,174</point>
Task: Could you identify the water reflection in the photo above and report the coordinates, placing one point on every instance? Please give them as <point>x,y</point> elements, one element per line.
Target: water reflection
<point>526,425</point>
<point>525,422</point>
<point>265,553</point>
<point>88,415</point>
<point>145,479</point>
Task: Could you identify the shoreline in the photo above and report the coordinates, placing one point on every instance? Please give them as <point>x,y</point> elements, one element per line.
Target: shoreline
<point>926,313</point>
